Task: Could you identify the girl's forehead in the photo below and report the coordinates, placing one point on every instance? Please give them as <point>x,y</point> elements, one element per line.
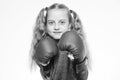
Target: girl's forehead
<point>57,13</point>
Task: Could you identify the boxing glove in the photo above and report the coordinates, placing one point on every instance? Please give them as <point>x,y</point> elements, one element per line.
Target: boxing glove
<point>45,50</point>
<point>70,41</point>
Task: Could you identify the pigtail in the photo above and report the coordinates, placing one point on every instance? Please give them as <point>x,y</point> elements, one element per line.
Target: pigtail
<point>78,27</point>
<point>77,23</point>
<point>39,30</point>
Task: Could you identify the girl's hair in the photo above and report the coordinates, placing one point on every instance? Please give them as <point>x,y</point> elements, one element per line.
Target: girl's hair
<point>41,21</point>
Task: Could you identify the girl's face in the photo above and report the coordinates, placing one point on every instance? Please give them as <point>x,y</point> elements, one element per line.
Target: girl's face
<point>57,22</point>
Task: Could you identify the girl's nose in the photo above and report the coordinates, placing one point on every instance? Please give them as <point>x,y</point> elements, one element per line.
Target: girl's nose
<point>56,27</point>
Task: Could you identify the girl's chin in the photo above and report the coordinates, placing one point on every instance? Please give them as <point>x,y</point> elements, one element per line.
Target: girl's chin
<point>57,36</point>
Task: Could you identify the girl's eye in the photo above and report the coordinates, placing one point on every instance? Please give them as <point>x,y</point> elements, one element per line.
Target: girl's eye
<point>62,22</point>
<point>50,23</point>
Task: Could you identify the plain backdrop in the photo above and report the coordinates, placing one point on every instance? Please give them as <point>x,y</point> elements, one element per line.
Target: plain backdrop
<point>101,21</point>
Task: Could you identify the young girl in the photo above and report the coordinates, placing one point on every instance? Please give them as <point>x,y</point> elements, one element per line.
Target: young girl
<point>52,23</point>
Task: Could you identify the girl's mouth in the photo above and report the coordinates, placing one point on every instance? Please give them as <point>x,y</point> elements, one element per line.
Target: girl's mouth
<point>57,32</point>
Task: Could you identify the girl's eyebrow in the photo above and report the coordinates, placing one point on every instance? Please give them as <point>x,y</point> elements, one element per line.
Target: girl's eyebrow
<point>63,19</point>
<point>59,20</point>
<point>50,20</point>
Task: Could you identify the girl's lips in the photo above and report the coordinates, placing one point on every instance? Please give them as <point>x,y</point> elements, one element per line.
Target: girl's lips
<point>57,32</point>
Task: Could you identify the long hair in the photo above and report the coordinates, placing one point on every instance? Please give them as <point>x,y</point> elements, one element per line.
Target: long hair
<point>40,25</point>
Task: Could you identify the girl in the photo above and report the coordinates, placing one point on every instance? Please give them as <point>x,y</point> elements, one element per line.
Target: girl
<point>54,21</point>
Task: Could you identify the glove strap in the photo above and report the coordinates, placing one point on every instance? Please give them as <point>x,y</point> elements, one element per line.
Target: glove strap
<point>81,70</point>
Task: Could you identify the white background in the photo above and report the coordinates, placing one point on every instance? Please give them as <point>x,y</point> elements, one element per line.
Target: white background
<point>101,21</point>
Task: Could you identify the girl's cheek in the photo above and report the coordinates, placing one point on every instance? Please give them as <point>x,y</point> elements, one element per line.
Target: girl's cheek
<point>65,27</point>
<point>49,28</point>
